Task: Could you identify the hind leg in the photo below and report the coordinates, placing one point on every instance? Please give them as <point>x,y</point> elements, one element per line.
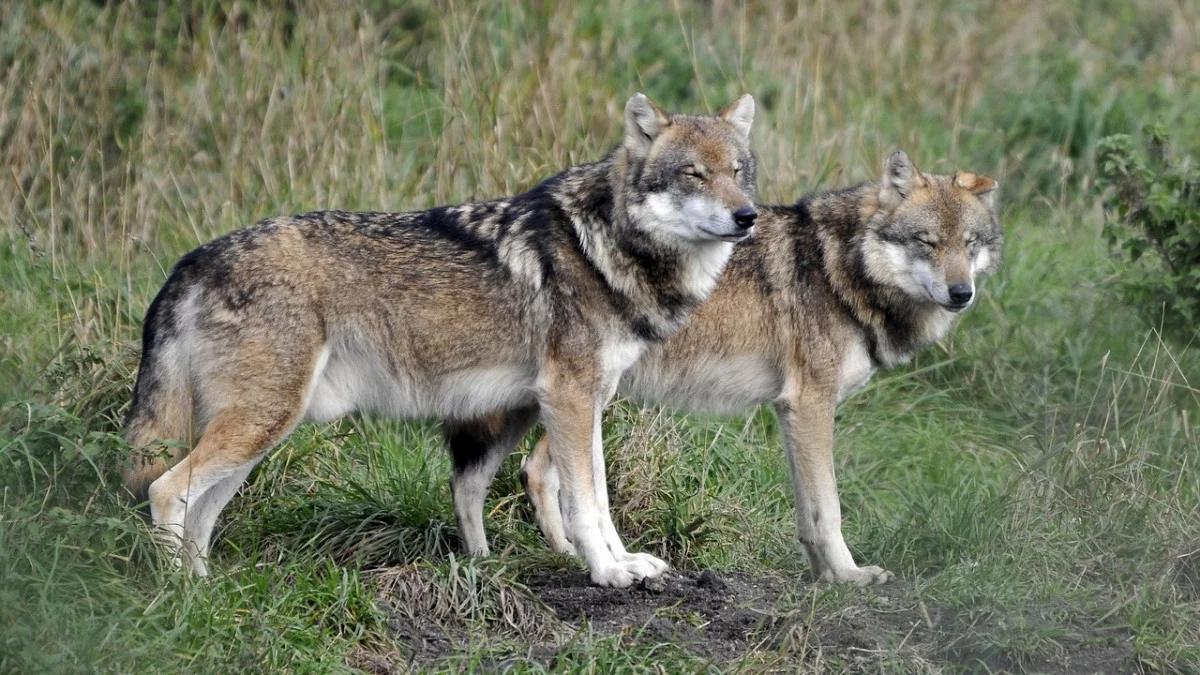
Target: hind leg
<point>157,427</point>
<point>478,448</point>
<point>263,395</point>
<point>185,501</point>
<point>201,518</point>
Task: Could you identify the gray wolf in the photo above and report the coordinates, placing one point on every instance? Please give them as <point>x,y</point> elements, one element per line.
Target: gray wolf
<point>829,291</point>
<point>531,304</point>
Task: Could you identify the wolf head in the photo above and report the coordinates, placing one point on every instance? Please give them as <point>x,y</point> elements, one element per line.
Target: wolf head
<point>933,235</point>
<point>690,177</point>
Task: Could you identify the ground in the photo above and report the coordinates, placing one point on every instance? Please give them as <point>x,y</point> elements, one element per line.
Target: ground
<point>712,621</point>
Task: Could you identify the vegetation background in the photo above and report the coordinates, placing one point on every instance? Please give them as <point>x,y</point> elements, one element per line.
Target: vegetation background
<point>1034,480</point>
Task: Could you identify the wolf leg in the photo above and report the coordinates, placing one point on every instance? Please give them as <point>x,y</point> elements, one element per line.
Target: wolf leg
<point>571,411</point>
<point>201,518</point>
<point>256,413</point>
<point>645,564</point>
<point>806,422</point>
<point>186,500</point>
<point>542,487</point>
<point>478,448</point>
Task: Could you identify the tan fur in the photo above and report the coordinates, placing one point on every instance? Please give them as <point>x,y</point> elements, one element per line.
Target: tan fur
<point>539,301</point>
<point>804,314</point>
<point>172,424</point>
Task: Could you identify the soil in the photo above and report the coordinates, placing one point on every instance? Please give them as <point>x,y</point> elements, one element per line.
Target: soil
<point>713,617</point>
<point>720,618</point>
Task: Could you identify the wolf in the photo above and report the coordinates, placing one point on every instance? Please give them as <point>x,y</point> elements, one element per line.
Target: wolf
<point>533,305</point>
<point>830,290</point>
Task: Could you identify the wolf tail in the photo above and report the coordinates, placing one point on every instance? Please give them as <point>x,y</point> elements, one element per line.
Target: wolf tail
<point>160,417</point>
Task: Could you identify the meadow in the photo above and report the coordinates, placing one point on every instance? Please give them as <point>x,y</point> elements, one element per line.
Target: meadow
<point>1033,480</point>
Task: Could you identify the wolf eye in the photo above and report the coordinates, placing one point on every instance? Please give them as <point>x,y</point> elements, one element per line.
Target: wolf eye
<point>691,170</point>
<point>926,241</point>
<point>737,169</point>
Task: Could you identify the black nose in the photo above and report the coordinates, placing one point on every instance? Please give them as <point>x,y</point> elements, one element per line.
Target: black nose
<point>960,294</point>
<point>744,217</point>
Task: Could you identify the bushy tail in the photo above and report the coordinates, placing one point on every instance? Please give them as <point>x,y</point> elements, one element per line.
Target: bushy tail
<point>159,424</point>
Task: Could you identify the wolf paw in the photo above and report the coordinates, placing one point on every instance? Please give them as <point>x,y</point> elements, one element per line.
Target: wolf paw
<point>655,567</point>
<point>182,553</point>
<point>629,570</point>
<point>477,551</point>
<point>870,575</point>
<point>643,565</point>
<point>614,576</point>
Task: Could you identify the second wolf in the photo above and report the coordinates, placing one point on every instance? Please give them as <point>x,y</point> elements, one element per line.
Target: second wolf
<point>830,290</point>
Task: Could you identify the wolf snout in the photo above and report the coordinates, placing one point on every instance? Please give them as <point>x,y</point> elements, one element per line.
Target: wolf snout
<point>961,293</point>
<point>745,217</point>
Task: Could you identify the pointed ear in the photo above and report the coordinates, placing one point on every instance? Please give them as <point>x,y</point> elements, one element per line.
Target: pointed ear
<point>740,114</point>
<point>644,121</point>
<point>900,178</point>
<point>979,185</point>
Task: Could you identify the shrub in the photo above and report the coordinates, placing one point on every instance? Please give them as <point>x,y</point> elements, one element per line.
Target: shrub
<point>1153,202</point>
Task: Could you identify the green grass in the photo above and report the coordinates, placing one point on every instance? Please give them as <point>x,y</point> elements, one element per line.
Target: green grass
<point>1033,480</point>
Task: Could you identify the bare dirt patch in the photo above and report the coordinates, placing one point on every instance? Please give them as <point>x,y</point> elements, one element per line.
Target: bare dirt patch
<point>712,617</point>
<point>723,618</point>
<point>707,615</point>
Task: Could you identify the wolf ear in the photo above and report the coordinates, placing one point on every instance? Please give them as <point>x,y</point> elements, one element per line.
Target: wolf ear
<point>979,185</point>
<point>740,114</point>
<point>900,178</point>
<point>644,121</point>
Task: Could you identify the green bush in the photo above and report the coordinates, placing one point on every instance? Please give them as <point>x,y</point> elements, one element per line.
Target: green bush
<point>1154,204</point>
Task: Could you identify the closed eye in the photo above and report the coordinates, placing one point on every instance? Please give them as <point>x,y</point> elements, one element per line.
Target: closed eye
<point>692,170</point>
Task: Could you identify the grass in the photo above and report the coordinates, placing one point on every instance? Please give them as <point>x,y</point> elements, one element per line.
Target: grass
<point>1033,480</point>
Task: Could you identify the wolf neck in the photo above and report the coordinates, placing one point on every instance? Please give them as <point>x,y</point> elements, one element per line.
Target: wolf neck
<point>894,325</point>
<point>655,285</point>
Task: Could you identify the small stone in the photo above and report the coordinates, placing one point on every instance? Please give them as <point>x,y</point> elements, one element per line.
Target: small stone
<point>709,579</point>
<point>654,584</point>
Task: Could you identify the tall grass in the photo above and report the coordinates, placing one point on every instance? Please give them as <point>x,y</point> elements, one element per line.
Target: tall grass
<point>1033,479</point>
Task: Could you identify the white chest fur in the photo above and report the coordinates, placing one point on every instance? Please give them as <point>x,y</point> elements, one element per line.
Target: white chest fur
<point>705,267</point>
<point>616,358</point>
<point>857,369</point>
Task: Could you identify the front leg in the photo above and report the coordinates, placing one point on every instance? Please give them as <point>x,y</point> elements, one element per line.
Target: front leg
<point>645,564</point>
<point>542,488</point>
<point>571,413</point>
<point>806,422</point>
<point>541,482</point>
